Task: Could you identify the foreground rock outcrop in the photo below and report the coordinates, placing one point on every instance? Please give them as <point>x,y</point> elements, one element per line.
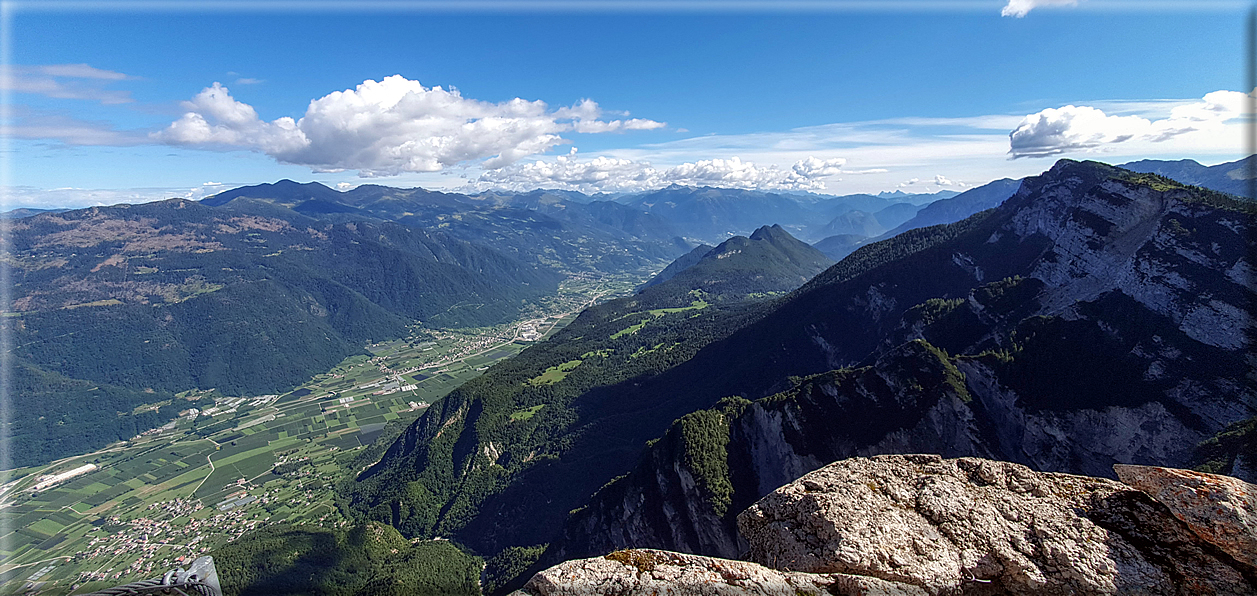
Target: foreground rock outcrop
<point>1219,509</point>
<point>921,524</point>
<point>648,572</point>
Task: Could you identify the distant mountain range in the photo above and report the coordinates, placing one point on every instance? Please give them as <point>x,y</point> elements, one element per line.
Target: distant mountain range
<point>256,288</point>
<point>543,228</point>
<point>27,212</point>
<point>1236,177</point>
<point>712,215</point>
<point>963,205</point>
<point>650,224</point>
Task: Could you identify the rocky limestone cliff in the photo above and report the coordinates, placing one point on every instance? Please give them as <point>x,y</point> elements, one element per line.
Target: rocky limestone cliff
<point>921,524</point>
<point>1112,345</point>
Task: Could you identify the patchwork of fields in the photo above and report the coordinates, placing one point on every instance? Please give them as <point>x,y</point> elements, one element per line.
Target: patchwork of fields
<point>205,479</point>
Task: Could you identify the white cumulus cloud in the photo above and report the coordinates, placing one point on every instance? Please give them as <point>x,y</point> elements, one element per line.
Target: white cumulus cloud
<point>1020,8</point>
<point>387,127</point>
<point>1083,128</point>
<point>813,167</point>
<point>609,174</point>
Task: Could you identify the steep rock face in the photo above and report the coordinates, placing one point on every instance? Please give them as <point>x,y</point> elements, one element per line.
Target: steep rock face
<point>684,493</point>
<point>1082,230</point>
<point>981,526</point>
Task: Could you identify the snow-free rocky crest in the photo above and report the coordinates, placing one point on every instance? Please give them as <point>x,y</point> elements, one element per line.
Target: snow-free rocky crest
<point>921,524</point>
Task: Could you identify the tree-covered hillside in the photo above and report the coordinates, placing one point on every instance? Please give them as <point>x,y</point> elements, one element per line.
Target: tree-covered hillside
<point>463,468</point>
<point>153,299</point>
<point>369,559</point>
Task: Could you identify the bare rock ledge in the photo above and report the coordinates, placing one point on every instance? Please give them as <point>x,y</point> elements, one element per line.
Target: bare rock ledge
<point>921,524</point>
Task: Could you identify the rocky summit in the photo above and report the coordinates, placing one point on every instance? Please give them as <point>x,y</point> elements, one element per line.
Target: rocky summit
<point>922,524</point>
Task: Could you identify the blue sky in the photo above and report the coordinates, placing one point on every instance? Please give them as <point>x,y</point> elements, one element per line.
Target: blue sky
<point>118,104</point>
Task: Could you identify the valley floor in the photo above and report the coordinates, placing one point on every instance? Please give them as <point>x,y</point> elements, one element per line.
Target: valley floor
<point>179,491</point>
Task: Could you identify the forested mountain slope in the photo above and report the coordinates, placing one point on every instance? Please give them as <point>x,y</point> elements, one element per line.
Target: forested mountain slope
<point>251,298</point>
<point>507,455</point>
<point>681,263</point>
<point>770,261</point>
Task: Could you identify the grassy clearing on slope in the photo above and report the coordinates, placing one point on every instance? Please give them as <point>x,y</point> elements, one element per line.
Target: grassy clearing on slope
<point>554,374</point>
<point>694,305</point>
<point>697,304</point>
<point>526,413</point>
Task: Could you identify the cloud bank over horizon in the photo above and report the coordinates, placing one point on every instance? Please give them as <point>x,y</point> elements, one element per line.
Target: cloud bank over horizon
<point>1086,129</point>
<point>389,127</point>
<point>609,174</point>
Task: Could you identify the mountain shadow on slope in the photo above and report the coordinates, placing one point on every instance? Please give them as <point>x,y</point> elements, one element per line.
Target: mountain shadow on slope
<point>682,262</point>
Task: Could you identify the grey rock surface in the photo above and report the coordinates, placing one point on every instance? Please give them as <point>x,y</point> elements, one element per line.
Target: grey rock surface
<point>977,526</point>
<point>647,572</point>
